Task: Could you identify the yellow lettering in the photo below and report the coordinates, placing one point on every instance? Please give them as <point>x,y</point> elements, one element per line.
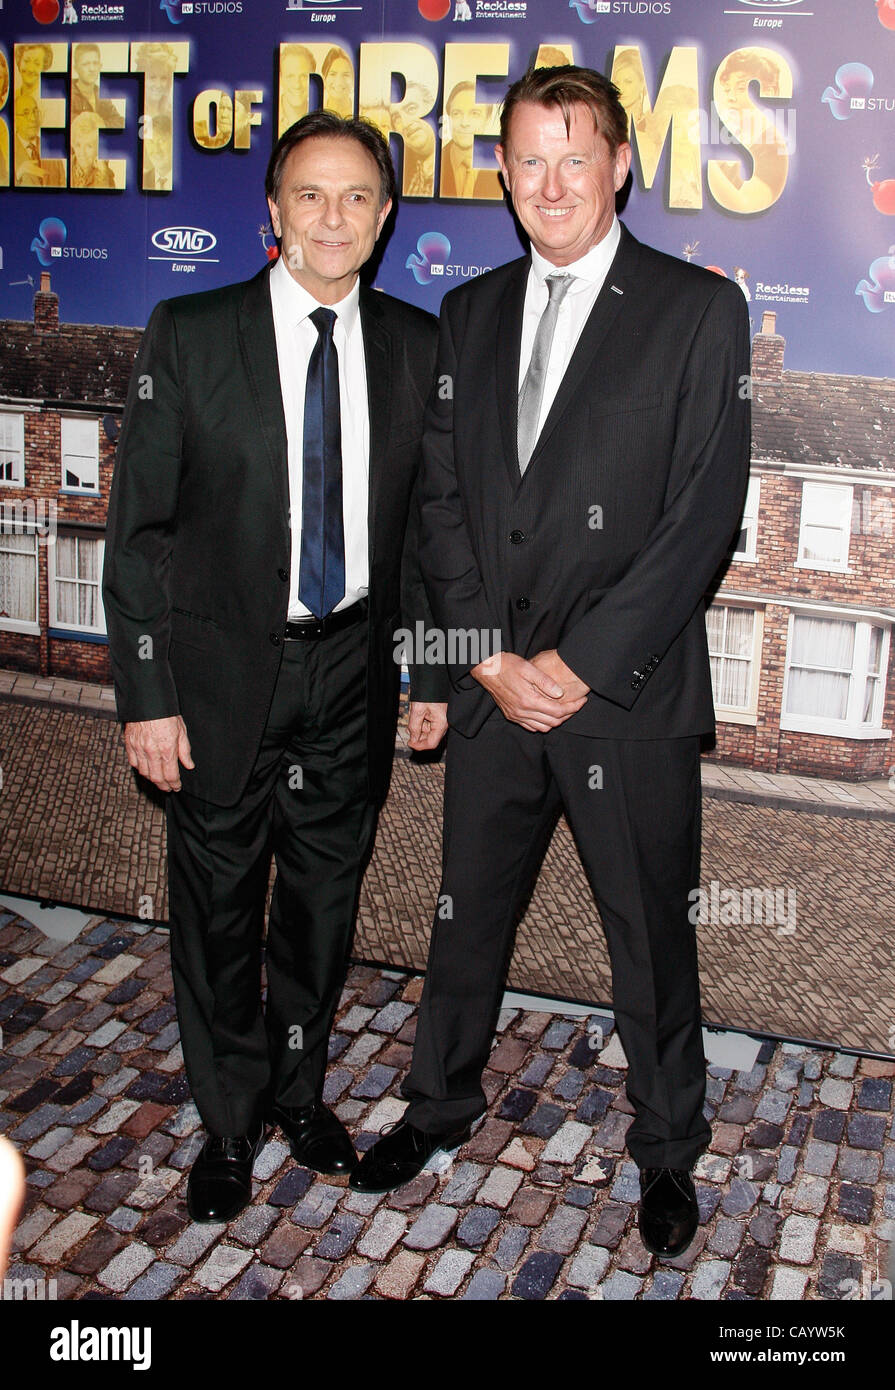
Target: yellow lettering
<point>213,119</point>
<point>676,106</point>
<point>158,63</point>
<point>246,97</point>
<point>466,117</point>
<point>91,112</point>
<point>753,128</point>
<point>4,124</point>
<point>379,63</point>
<point>34,113</point>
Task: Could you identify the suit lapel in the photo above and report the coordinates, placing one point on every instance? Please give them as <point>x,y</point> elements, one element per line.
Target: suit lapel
<point>378,363</point>
<point>619,281</point>
<point>508,343</point>
<point>259,352</point>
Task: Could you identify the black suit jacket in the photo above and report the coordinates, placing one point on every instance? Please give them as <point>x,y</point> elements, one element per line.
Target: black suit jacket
<point>605,547</point>
<point>197,563</point>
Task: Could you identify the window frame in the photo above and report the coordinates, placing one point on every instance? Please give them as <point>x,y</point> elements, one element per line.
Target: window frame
<point>847,492</point>
<point>849,727</point>
<point>23,625</point>
<point>749,556</point>
<point>732,714</point>
<point>72,487</point>
<point>54,578</point>
<point>18,415</point>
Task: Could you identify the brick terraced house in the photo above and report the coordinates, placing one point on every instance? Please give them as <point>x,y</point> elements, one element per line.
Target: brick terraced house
<point>799,627</point>
<point>799,630</point>
<point>62,392</point>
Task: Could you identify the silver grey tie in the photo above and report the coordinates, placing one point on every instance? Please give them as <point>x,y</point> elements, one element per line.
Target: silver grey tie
<point>532,392</point>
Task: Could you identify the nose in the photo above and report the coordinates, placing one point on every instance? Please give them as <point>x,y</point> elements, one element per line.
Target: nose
<point>553,186</point>
<point>333,215</point>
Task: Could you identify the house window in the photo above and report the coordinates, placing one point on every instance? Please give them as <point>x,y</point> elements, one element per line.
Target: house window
<point>825,526</point>
<point>18,577</point>
<point>873,686</point>
<point>835,675</point>
<point>12,448</point>
<point>744,545</point>
<point>75,587</point>
<point>80,455</point>
<point>731,635</point>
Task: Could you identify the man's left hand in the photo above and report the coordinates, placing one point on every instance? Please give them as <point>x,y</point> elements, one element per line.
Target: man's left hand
<point>427,724</point>
<point>552,664</point>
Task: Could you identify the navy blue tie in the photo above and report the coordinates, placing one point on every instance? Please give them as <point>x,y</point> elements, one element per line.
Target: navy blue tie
<point>321,580</point>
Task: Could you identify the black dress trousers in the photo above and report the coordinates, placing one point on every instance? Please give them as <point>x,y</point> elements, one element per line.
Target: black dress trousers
<point>634,808</point>
<point>307,802</point>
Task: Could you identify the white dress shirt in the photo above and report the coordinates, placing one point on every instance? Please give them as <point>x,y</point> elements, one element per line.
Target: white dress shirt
<point>590,272</point>
<point>296,337</point>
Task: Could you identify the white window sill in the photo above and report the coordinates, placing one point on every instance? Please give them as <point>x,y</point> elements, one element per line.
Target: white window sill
<point>832,728</point>
<point>734,716</point>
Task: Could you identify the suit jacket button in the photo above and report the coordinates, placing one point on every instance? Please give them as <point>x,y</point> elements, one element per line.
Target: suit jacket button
<point>275,639</point>
<point>283,574</point>
<point>523,604</point>
<point>517,537</point>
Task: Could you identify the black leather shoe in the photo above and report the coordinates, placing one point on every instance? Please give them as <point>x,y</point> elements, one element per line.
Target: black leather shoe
<point>399,1155</point>
<point>317,1138</point>
<point>669,1214</point>
<point>220,1181</point>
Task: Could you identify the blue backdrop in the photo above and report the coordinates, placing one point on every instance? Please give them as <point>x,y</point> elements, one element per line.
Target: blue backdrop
<point>134,139</point>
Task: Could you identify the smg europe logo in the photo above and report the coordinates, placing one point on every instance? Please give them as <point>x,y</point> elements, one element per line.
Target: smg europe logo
<point>184,247</point>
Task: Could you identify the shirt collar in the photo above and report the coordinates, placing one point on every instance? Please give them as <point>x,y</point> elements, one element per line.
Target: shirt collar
<point>590,268</point>
<point>293,302</point>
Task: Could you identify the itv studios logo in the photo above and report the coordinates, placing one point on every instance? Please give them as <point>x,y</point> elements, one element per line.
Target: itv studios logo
<point>50,245</point>
<point>851,91</point>
<point>430,261</point>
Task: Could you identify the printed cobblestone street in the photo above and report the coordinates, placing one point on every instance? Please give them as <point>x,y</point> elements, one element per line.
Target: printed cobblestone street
<point>796,1195</point>
<point>77,829</point>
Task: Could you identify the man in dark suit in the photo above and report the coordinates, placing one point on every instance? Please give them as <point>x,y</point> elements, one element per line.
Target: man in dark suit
<point>253,590</point>
<point>581,482</point>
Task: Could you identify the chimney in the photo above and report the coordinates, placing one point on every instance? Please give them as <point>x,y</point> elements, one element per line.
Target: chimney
<point>46,307</point>
<point>767,350</point>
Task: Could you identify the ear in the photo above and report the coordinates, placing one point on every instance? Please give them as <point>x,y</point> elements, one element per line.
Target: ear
<point>502,165</point>
<point>274,217</point>
<point>383,214</point>
<point>622,164</point>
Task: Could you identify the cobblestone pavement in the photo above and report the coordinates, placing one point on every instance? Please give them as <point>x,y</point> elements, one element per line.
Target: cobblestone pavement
<point>874,798</point>
<point>76,829</point>
<point>797,1194</point>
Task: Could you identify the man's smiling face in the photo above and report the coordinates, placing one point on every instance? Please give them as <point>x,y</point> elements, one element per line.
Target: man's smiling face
<point>562,183</point>
<point>328,213</point>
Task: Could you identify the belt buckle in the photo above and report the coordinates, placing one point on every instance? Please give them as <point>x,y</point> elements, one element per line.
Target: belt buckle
<point>304,629</point>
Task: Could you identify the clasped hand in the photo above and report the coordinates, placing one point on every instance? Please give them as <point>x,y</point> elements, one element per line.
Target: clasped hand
<point>539,694</point>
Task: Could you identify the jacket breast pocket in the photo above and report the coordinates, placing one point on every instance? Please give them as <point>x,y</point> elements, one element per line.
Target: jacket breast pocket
<point>193,630</point>
<point>628,403</point>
